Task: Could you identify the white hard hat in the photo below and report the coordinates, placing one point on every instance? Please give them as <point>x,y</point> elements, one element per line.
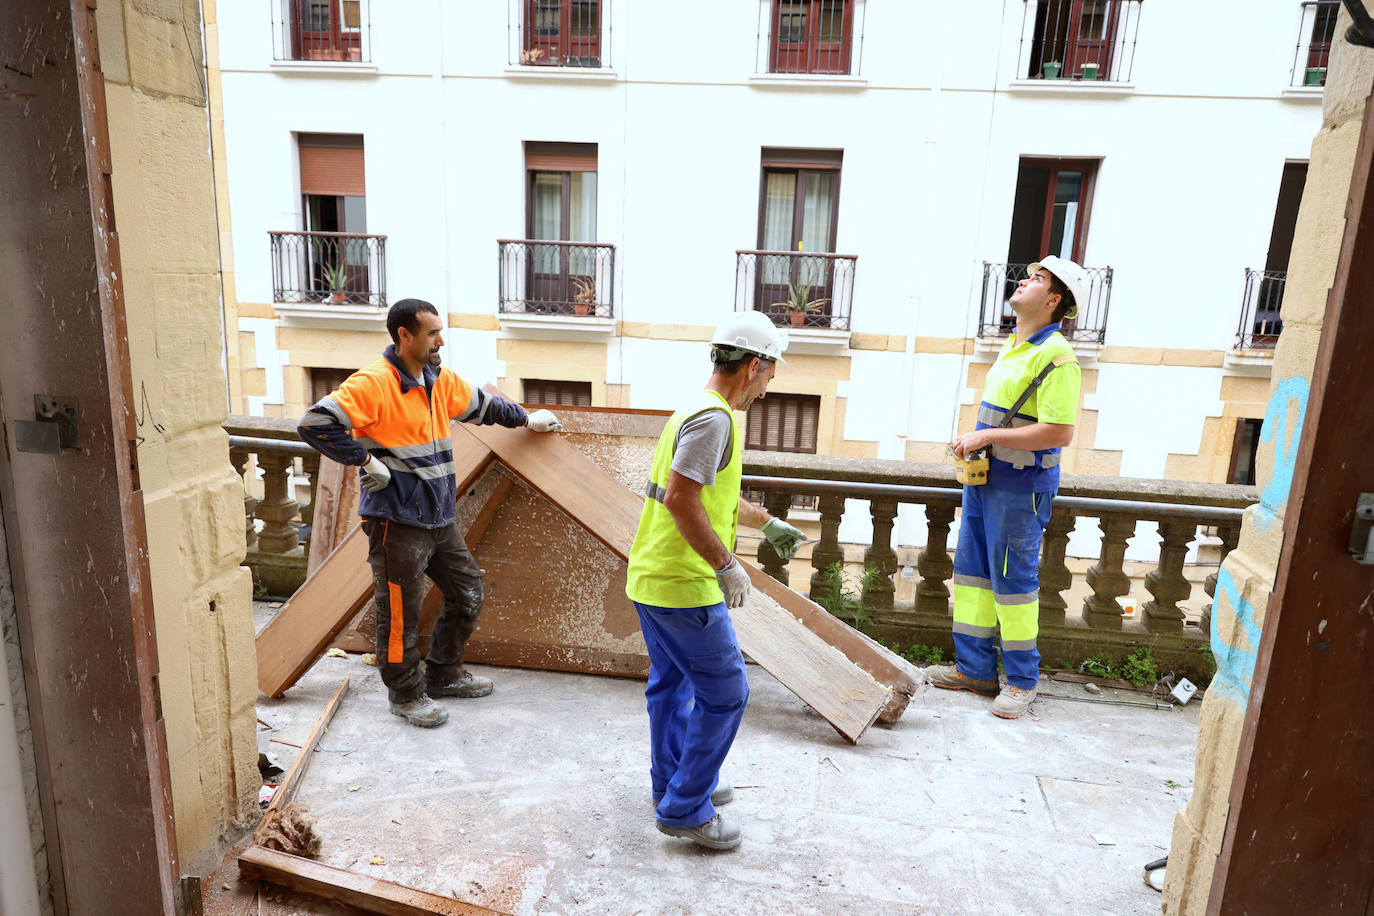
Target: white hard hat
<point>1074,277</point>
<point>754,333</point>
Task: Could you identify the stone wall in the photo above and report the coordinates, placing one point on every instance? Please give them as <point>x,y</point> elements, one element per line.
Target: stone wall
<point>1246,577</point>
<point>164,199</point>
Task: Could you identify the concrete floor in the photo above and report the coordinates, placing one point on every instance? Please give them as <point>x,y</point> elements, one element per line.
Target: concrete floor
<point>536,800</point>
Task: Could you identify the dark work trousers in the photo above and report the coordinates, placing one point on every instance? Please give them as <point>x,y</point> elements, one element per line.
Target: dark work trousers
<point>401,556</point>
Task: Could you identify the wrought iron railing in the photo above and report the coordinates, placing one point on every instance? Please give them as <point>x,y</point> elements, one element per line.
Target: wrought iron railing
<point>1316,29</point>
<point>340,268</point>
<point>559,33</point>
<point>556,278</point>
<point>811,36</point>
<point>1092,41</point>
<point>796,289</point>
<point>996,318</point>
<point>1260,323</point>
<point>324,30</point>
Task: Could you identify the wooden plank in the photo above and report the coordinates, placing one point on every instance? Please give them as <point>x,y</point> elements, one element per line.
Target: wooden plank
<point>372,895</point>
<point>288,786</point>
<point>847,696</point>
<point>333,594</point>
<point>884,665</point>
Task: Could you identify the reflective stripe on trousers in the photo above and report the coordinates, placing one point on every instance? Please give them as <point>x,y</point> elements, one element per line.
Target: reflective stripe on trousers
<point>996,583</point>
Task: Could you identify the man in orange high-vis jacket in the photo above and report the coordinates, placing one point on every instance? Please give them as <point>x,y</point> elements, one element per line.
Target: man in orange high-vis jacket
<point>391,419</point>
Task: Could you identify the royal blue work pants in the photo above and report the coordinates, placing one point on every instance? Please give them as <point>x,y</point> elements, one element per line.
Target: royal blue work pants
<point>696,696</point>
<point>997,583</point>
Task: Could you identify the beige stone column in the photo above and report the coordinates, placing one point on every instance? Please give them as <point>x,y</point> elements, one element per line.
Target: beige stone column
<point>1246,576</point>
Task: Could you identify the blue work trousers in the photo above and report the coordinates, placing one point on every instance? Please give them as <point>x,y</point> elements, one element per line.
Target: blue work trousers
<point>696,696</point>
<point>997,583</point>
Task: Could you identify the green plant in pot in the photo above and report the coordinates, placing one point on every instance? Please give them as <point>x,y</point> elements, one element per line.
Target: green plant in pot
<point>1050,69</point>
<point>799,303</point>
<point>1089,71</point>
<point>1316,76</point>
<point>336,278</point>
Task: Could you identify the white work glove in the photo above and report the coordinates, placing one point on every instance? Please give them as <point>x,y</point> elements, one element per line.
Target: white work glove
<point>784,538</point>
<point>734,583</point>
<point>543,421</point>
<point>375,476</point>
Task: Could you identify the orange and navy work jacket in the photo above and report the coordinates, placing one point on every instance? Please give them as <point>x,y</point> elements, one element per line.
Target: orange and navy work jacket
<point>382,411</point>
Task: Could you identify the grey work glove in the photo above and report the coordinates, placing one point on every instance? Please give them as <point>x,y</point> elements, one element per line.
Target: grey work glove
<point>375,476</point>
<point>734,583</point>
<point>784,538</point>
<point>543,421</point>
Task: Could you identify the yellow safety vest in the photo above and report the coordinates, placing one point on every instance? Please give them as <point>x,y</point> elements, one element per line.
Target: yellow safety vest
<point>665,570</point>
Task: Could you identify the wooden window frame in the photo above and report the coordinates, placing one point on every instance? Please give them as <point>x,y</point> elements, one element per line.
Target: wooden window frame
<point>783,56</point>
<point>326,378</point>
<point>1238,447</point>
<point>802,401</point>
<point>800,163</point>
<point>561,386</point>
<point>337,43</point>
<point>556,50</point>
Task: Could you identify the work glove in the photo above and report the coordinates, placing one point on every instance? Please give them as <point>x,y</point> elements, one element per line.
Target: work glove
<point>375,476</point>
<point>734,583</point>
<point>784,538</point>
<point>543,421</point>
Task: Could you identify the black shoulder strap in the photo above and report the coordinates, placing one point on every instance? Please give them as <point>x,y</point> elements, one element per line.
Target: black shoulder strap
<point>1025,395</point>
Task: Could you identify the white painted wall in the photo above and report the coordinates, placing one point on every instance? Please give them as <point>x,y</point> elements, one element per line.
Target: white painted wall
<point>932,132</point>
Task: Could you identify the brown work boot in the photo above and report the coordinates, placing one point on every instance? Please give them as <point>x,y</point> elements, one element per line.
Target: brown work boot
<point>421,712</point>
<point>717,833</point>
<point>466,685</point>
<point>951,678</point>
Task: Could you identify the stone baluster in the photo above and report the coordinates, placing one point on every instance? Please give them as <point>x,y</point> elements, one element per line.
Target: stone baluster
<point>277,509</point>
<point>934,562</point>
<point>1055,577</point>
<point>1230,537</point>
<point>827,552</point>
<point>238,457</point>
<point>878,589</point>
<point>311,465</point>
<point>1166,582</point>
<point>777,503</point>
<point>1107,578</point>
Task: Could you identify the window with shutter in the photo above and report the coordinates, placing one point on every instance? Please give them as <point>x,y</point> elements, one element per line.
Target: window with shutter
<point>783,423</point>
<point>557,394</point>
<point>324,382</point>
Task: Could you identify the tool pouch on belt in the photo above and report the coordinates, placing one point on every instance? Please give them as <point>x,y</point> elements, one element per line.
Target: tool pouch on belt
<point>972,470</point>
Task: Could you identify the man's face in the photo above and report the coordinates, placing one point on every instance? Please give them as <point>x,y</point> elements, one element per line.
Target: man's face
<point>760,374</point>
<point>422,346</point>
<point>1033,294</point>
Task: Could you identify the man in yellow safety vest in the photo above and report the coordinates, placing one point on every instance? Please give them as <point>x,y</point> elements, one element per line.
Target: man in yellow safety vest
<point>683,578</point>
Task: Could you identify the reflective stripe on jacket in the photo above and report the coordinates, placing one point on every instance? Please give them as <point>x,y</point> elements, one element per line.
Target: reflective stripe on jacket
<point>382,411</point>
<point>665,570</point>
<point>1055,401</point>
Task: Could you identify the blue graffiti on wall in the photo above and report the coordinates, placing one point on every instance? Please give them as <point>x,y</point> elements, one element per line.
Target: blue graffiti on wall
<point>1235,663</point>
<point>1276,429</point>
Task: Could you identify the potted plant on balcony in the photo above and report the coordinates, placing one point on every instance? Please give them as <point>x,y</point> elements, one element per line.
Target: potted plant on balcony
<point>799,303</point>
<point>1050,69</point>
<point>1089,70</point>
<point>336,278</point>
<point>584,295</point>
<point>1316,76</point>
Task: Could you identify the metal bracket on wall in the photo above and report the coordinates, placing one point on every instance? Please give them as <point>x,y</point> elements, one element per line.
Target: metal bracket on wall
<point>1362,532</point>
<point>1361,31</point>
<point>55,430</point>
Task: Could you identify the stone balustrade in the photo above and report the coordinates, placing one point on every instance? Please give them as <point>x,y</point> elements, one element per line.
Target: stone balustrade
<point>276,553</point>
<point>1067,634</point>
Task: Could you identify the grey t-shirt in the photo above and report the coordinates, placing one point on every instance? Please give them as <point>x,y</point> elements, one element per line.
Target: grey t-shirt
<point>703,446</point>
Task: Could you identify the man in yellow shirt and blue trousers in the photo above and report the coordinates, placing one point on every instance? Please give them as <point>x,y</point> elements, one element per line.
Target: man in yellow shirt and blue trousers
<point>683,578</point>
<point>996,564</point>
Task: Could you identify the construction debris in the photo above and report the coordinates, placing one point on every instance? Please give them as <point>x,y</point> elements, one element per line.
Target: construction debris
<point>290,829</point>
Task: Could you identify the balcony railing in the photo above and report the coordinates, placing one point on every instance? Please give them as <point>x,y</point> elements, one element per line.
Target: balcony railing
<point>559,33</point>
<point>339,268</point>
<point>276,526</point>
<point>796,289</point>
<point>1091,41</point>
<point>1100,623</point>
<point>556,278</point>
<point>823,37</point>
<point>1316,29</point>
<point>996,318</point>
<point>323,30</point>
<point>1260,323</point>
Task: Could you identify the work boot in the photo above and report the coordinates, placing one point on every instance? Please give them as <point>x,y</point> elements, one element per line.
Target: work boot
<point>422,712</point>
<point>723,795</point>
<point>717,833</point>
<point>951,678</point>
<point>467,685</point>
<point>1012,702</point>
